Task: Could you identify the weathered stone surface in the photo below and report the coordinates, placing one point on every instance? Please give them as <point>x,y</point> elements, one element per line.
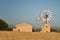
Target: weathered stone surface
<point>23,27</point>
<point>46,27</point>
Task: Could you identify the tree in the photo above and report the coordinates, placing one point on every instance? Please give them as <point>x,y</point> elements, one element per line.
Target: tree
<point>3,25</point>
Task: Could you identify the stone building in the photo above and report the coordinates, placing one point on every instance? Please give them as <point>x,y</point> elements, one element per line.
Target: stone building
<point>23,27</point>
<point>46,27</point>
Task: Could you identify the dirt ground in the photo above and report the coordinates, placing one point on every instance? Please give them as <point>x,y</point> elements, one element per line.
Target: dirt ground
<point>9,35</point>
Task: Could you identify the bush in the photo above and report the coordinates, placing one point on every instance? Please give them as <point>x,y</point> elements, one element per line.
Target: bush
<point>10,29</point>
<point>36,30</point>
<point>53,30</point>
<point>58,30</point>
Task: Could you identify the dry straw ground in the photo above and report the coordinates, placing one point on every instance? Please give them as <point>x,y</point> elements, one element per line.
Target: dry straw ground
<point>4,35</point>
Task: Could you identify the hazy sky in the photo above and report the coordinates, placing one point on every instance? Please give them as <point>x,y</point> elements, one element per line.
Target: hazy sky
<point>16,11</point>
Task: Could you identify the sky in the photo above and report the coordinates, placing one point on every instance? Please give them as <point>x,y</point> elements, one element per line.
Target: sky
<point>16,11</point>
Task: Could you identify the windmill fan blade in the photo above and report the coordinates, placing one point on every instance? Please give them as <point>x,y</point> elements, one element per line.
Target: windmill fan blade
<point>46,15</point>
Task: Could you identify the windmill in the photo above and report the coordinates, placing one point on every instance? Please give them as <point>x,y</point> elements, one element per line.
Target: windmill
<point>46,16</point>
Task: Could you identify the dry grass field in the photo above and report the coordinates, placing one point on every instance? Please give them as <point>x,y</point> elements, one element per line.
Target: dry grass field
<point>4,35</point>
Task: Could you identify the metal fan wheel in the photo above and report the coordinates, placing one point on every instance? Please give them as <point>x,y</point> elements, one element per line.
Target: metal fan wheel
<point>46,15</point>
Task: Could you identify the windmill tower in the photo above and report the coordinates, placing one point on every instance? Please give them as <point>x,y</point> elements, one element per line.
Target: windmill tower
<point>46,16</point>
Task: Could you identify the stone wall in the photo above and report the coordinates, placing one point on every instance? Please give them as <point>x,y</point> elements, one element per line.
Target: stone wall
<point>46,27</point>
<point>23,27</point>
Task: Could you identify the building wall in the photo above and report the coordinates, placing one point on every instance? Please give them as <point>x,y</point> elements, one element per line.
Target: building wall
<point>24,27</point>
